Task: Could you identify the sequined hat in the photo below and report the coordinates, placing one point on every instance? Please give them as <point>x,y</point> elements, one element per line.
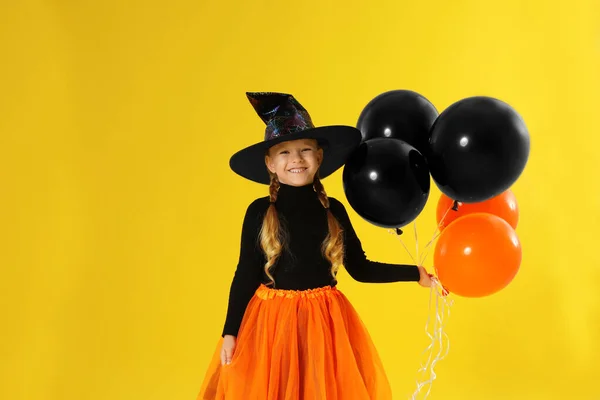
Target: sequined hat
<point>287,120</point>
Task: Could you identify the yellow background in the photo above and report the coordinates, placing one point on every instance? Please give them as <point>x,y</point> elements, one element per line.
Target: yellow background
<point>120,217</point>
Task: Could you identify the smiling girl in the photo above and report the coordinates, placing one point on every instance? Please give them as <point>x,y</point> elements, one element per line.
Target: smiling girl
<point>289,332</point>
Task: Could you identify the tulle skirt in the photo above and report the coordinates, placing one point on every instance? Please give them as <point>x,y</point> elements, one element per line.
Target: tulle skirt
<point>299,345</point>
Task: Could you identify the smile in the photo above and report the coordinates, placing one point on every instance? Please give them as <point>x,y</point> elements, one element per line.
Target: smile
<point>297,170</point>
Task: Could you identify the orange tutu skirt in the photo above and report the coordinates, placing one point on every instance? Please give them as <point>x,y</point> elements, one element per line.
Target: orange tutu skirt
<point>299,345</point>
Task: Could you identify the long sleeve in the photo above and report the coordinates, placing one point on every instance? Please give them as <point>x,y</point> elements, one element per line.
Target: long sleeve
<point>249,271</point>
<point>356,262</point>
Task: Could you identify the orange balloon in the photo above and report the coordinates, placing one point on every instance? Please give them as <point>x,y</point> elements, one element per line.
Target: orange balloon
<point>504,206</point>
<point>477,255</point>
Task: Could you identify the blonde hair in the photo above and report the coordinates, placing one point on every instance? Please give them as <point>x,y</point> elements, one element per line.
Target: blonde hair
<point>272,236</point>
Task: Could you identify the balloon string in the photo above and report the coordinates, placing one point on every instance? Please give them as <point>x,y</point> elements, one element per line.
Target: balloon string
<point>391,231</point>
<point>417,242</point>
<point>428,247</point>
<point>437,336</point>
<point>436,234</point>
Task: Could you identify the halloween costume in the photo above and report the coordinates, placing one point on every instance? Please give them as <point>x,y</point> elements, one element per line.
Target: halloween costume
<point>302,339</point>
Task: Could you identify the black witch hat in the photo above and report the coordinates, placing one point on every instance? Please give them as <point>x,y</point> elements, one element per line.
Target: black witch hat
<point>286,120</point>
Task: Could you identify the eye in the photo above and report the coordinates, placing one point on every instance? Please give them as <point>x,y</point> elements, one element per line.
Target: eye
<point>283,152</point>
<point>307,149</point>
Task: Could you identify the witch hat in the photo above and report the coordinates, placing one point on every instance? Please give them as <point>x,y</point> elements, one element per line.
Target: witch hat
<point>286,120</point>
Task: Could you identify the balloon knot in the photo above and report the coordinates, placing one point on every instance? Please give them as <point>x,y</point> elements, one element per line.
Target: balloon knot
<point>455,205</point>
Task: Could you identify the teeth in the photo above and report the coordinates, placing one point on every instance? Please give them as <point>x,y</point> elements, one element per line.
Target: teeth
<point>297,170</point>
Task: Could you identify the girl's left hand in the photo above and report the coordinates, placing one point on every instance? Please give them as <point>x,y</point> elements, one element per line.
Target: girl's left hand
<point>425,278</point>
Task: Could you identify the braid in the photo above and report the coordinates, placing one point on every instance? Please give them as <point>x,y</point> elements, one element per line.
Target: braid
<point>273,188</point>
<point>270,232</point>
<point>333,245</point>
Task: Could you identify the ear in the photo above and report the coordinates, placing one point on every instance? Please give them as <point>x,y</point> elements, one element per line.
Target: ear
<point>269,164</point>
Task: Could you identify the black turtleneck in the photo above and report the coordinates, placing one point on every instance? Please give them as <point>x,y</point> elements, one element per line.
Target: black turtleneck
<point>301,266</point>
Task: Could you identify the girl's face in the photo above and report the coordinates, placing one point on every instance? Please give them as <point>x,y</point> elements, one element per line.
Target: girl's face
<point>295,162</point>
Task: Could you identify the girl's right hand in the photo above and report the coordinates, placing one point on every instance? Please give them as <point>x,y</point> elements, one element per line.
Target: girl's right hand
<point>228,349</point>
<point>425,278</point>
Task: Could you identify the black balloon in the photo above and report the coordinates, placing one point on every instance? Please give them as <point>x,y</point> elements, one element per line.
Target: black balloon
<point>399,114</point>
<point>478,148</point>
<point>386,181</point>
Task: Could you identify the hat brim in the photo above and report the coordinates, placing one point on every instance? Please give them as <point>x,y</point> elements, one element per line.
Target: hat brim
<point>338,143</point>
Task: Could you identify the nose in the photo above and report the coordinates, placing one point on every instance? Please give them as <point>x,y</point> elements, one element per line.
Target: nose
<point>296,157</point>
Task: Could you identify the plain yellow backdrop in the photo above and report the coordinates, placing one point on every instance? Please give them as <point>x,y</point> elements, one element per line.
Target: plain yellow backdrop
<point>121,219</point>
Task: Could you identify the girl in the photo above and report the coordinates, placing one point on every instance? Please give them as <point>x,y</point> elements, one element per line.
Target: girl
<point>289,333</point>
